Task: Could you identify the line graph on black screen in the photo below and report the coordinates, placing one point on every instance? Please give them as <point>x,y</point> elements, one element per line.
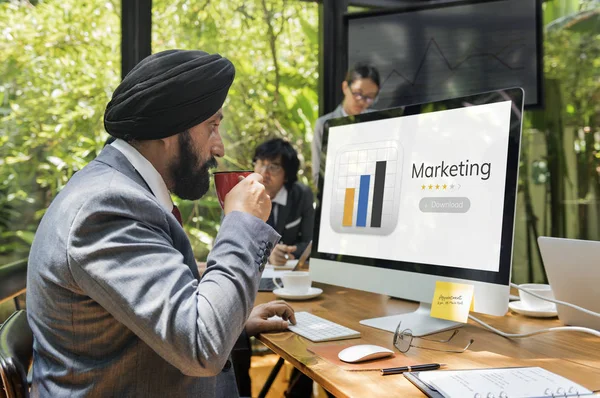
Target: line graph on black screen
<point>438,69</point>
<point>433,48</point>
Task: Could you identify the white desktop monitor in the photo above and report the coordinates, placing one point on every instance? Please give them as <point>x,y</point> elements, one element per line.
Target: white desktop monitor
<point>414,195</point>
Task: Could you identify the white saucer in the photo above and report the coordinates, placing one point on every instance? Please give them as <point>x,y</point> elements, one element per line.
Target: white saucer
<point>288,266</point>
<point>519,308</point>
<point>312,292</point>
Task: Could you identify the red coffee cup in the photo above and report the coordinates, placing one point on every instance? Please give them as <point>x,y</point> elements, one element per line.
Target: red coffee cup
<point>225,180</point>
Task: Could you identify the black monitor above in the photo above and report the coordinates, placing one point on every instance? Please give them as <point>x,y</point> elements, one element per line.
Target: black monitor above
<point>431,52</point>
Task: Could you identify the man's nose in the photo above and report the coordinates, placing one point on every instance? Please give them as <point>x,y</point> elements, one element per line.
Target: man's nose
<point>218,149</point>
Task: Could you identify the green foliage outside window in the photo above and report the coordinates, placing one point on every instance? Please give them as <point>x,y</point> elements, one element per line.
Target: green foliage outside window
<point>60,62</point>
<point>560,151</point>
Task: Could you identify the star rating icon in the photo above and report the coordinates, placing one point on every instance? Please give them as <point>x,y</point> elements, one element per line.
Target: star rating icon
<point>437,187</point>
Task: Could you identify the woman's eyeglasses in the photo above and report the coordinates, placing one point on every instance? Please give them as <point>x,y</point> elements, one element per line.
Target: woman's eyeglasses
<point>361,97</point>
<point>403,340</point>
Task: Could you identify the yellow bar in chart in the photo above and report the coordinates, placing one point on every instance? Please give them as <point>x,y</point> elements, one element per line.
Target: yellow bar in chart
<point>348,207</point>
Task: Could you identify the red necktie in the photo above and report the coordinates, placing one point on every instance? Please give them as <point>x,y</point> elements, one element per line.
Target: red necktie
<point>177,214</point>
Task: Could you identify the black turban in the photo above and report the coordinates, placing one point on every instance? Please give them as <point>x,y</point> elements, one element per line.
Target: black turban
<point>167,93</point>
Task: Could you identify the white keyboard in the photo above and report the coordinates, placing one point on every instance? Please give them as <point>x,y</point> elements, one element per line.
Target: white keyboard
<point>317,329</point>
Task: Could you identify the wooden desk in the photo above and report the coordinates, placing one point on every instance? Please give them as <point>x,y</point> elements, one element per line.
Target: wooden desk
<point>572,355</point>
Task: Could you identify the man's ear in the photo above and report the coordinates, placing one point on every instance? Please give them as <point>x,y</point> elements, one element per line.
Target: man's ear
<point>344,86</point>
<point>169,144</point>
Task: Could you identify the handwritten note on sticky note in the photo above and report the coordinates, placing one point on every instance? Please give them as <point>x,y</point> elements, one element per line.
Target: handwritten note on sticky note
<point>452,301</point>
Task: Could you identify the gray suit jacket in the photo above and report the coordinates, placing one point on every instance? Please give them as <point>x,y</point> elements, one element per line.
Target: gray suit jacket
<point>318,140</point>
<point>113,296</point>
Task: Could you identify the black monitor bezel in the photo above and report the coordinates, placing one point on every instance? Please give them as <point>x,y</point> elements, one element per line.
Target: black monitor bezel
<point>539,28</point>
<point>502,277</point>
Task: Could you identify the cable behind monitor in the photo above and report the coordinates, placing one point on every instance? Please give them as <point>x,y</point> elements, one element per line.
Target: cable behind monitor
<point>556,329</point>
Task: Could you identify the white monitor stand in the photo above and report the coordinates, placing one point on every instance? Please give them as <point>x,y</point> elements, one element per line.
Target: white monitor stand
<point>419,322</point>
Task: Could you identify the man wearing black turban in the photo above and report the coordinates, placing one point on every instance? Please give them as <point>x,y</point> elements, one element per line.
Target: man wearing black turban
<point>114,297</point>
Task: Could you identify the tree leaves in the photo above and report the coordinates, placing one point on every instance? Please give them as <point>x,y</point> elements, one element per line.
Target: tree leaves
<point>60,62</point>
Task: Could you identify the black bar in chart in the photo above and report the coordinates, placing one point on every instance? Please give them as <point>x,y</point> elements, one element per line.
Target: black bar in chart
<point>378,194</point>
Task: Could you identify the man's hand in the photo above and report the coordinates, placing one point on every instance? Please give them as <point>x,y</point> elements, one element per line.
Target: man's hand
<point>259,322</point>
<point>249,196</point>
<point>281,254</point>
<point>201,267</point>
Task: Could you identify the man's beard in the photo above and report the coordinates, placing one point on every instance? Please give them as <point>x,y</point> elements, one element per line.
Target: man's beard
<point>191,181</point>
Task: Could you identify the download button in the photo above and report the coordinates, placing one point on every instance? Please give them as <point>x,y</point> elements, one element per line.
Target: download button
<point>445,205</point>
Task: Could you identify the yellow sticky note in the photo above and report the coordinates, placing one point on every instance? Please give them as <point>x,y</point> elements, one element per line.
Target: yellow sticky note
<point>452,301</point>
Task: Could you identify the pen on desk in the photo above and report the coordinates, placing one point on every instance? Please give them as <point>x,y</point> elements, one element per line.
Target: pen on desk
<point>414,368</point>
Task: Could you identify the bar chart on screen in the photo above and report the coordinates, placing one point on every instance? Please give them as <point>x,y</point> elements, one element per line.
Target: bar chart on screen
<point>366,189</point>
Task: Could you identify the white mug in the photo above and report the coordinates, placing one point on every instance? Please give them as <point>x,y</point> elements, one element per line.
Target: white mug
<point>535,303</point>
<point>294,282</point>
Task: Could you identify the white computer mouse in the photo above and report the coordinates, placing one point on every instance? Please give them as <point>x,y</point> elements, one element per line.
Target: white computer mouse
<point>363,352</point>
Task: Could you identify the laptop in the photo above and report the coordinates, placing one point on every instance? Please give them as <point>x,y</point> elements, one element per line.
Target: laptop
<point>573,270</point>
<point>267,284</point>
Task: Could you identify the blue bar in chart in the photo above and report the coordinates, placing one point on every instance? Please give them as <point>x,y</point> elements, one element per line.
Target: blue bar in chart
<point>363,200</point>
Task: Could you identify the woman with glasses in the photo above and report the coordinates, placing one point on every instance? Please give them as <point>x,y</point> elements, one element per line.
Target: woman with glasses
<point>360,89</point>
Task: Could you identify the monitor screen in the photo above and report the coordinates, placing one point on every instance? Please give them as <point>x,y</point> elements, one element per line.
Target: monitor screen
<point>433,52</point>
<point>428,189</point>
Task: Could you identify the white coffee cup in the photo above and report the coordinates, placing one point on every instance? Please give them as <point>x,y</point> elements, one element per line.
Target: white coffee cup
<point>535,303</point>
<point>294,282</point>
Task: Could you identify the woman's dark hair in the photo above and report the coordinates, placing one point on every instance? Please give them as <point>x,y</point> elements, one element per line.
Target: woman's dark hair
<point>271,149</point>
<point>363,71</point>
